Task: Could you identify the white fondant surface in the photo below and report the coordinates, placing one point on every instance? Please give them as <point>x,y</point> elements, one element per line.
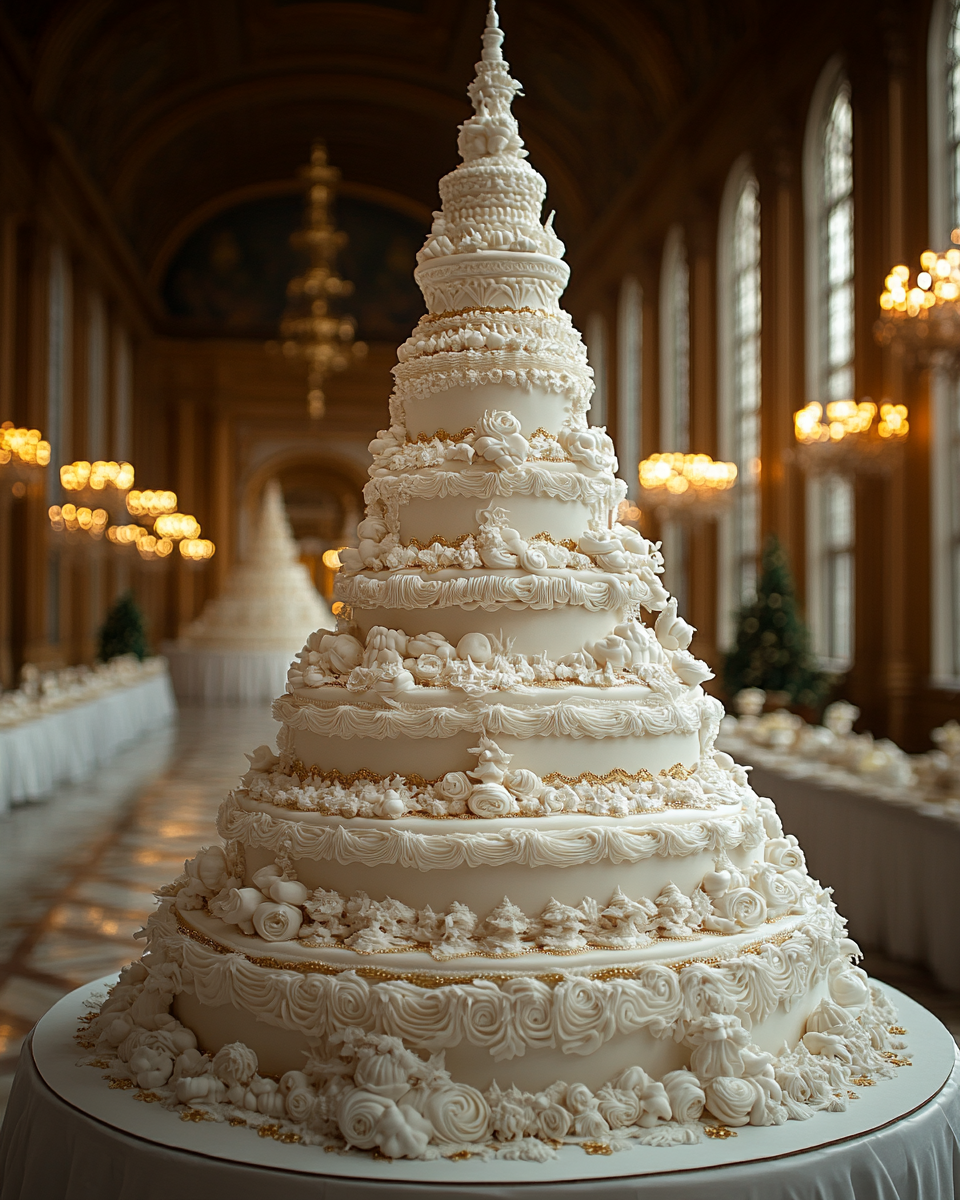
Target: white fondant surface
<point>876,1114</point>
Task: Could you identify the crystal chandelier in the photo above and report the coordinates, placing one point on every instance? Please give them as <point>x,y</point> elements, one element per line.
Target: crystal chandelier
<point>922,320</point>
<point>848,438</point>
<point>691,487</point>
<point>309,329</point>
<point>23,455</point>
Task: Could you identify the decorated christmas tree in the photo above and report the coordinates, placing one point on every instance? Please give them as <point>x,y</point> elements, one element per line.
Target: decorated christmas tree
<point>772,650</point>
<point>123,631</point>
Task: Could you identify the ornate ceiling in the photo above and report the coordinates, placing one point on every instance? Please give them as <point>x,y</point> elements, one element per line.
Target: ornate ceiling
<point>178,109</point>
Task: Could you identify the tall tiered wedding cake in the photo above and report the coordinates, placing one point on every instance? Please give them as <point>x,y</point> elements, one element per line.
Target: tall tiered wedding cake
<point>497,891</point>
<point>268,600</point>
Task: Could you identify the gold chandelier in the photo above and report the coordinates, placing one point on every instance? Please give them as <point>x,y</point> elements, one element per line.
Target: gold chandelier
<point>922,319</point>
<point>309,329</point>
<point>692,487</point>
<point>847,438</point>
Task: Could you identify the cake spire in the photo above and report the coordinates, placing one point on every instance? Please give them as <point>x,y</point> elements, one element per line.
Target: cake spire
<point>493,129</point>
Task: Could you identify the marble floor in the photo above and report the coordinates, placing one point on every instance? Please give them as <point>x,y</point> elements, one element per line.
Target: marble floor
<point>77,871</point>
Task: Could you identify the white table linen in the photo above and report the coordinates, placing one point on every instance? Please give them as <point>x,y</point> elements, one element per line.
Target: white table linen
<point>228,676</point>
<point>49,1148</point>
<point>894,867</point>
<point>66,745</point>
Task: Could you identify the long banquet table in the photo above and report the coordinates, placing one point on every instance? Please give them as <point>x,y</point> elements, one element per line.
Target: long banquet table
<point>892,859</point>
<point>65,745</point>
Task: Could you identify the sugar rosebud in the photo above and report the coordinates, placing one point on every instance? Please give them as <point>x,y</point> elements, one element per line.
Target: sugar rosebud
<point>277,922</point>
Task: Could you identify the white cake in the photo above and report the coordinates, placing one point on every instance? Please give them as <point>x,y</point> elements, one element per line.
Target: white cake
<point>497,890</point>
<point>268,601</point>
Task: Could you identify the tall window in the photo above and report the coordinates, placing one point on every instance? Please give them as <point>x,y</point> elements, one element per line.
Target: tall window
<point>123,398</point>
<point>58,407</point>
<point>96,379</point>
<point>943,74</point>
<point>828,196</point>
<point>739,314</point>
<point>597,356</point>
<point>629,381</point>
<point>675,392</point>
<point>675,344</point>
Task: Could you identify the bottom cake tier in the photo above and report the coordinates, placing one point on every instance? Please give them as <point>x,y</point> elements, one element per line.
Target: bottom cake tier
<point>421,1061</point>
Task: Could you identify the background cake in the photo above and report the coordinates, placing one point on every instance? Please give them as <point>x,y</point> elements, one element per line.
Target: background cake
<point>268,601</point>
<point>496,890</point>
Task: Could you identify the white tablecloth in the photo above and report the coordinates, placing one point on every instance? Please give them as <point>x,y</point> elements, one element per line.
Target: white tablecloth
<point>50,1149</point>
<point>65,746</point>
<point>894,869</point>
<point>228,676</point>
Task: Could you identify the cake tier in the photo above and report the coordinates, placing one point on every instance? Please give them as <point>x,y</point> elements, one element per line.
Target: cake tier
<point>455,407</point>
<point>548,1020</point>
<point>541,730</point>
<point>436,863</point>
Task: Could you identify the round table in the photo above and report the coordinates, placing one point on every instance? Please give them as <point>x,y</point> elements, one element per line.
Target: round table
<point>68,1136</point>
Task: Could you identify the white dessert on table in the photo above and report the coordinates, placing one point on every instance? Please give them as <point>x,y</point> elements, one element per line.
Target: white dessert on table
<point>268,600</point>
<point>496,890</point>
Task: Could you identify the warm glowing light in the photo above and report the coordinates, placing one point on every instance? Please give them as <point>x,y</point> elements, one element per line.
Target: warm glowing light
<point>678,473</point>
<point>22,446</point>
<point>628,512</point>
<point>177,525</point>
<point>337,607</point>
<point>98,475</point>
<point>893,421</point>
<point>843,418</point>
<point>71,519</point>
<point>151,504</point>
<point>331,558</point>
<point>197,549</point>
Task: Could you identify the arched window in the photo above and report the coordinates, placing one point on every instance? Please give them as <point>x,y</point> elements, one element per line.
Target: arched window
<point>596,340</point>
<point>738,306</point>
<point>629,381</point>
<point>675,392</point>
<point>828,201</point>
<point>943,74</point>
<point>675,344</point>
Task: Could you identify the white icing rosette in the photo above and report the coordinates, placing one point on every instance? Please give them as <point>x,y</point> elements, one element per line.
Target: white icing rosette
<point>735,1100</point>
<point>235,1064</point>
<point>358,1117</point>
<point>583,1022</point>
<point>742,905</point>
<point>592,448</point>
<point>524,783</point>
<point>454,786</point>
<point>277,922</point>
<point>553,1122</point>
<point>718,1042</point>
<point>590,1124</point>
<point>785,854</point>
<point>500,441</point>
<point>341,652</point>
<point>780,893</point>
<point>300,1103</point>
<point>532,1011</point>
<point>350,1002</point>
<point>457,1112</point>
<point>618,1108</point>
<point>427,1017</point>
<point>685,1094</point>
<point>427,668</point>
<point>236,906</point>
<point>491,800</point>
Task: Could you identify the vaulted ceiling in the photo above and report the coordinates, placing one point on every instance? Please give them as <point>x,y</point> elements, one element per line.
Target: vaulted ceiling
<point>177,109</point>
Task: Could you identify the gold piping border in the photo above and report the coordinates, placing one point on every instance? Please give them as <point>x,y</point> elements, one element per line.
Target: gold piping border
<point>432,980</point>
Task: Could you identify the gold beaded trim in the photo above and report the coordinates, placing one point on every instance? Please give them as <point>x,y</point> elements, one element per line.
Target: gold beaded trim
<point>443,436</point>
<point>617,775</point>
<point>431,980</point>
<point>543,536</point>
<point>463,312</point>
<point>439,539</point>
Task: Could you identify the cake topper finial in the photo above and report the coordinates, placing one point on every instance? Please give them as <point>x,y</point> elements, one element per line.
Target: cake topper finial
<point>492,130</point>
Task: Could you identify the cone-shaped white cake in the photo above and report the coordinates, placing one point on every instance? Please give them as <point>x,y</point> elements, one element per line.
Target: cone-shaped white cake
<point>269,601</point>
<point>497,890</point>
